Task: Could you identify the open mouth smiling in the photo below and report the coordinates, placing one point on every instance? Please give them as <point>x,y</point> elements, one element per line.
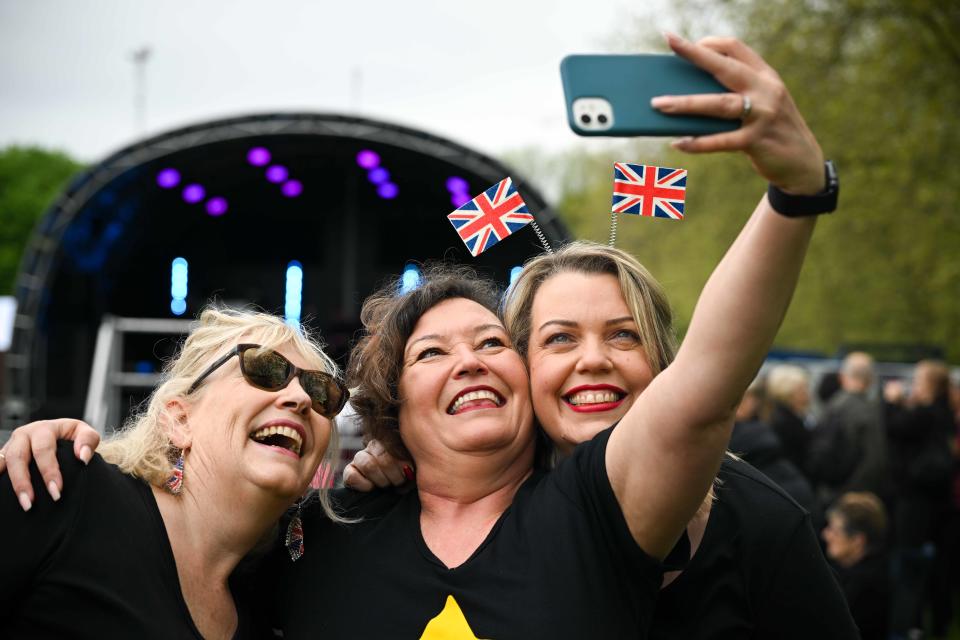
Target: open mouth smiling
<point>590,398</point>
<point>278,435</point>
<point>475,398</point>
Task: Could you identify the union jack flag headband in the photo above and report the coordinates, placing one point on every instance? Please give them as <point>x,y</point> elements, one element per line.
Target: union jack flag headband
<point>492,216</point>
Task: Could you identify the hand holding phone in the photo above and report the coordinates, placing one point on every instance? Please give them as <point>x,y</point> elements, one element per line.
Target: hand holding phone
<point>609,95</point>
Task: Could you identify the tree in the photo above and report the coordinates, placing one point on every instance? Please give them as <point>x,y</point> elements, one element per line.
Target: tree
<point>879,82</point>
<point>30,179</point>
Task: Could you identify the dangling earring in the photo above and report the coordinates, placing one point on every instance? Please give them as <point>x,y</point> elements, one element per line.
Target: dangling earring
<point>294,539</point>
<point>175,483</point>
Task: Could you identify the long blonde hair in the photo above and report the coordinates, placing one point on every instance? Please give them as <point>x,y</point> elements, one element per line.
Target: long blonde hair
<point>142,447</point>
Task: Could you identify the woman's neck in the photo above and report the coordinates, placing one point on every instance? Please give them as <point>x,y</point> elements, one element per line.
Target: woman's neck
<point>461,500</point>
<point>209,536</point>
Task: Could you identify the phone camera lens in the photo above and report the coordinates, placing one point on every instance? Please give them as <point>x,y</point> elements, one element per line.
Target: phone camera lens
<point>602,119</point>
<point>585,118</point>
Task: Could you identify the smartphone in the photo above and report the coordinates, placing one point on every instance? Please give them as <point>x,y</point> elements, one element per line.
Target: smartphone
<point>609,95</point>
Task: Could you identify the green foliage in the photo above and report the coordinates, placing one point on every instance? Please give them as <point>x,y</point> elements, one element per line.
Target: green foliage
<point>878,82</point>
<point>30,179</point>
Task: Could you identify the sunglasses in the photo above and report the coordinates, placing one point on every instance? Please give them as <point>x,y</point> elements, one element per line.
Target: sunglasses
<point>268,370</point>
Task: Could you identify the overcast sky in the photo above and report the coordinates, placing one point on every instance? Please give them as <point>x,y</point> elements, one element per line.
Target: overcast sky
<point>485,74</point>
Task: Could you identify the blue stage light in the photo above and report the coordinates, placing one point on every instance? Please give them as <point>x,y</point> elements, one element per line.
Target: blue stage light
<point>388,191</point>
<point>293,300</point>
<point>410,279</point>
<point>178,286</point>
<point>379,175</point>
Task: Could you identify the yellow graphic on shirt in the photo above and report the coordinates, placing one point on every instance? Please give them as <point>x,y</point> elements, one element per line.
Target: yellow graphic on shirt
<point>450,624</point>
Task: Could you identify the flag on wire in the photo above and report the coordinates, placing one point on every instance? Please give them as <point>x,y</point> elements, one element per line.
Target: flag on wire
<point>649,191</point>
<point>490,217</point>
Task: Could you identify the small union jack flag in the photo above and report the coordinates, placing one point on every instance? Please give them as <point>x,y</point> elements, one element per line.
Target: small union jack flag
<point>649,191</point>
<point>175,482</point>
<point>490,217</point>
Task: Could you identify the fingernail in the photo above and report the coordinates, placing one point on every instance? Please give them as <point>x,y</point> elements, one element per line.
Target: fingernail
<point>85,454</point>
<point>54,490</point>
<point>24,500</point>
<point>408,472</point>
<point>659,101</point>
<point>679,143</point>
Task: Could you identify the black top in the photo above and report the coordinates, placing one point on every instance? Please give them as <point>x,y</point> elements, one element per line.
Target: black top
<point>757,444</point>
<point>866,586</point>
<point>96,564</point>
<point>758,573</point>
<point>793,434</point>
<point>559,563</point>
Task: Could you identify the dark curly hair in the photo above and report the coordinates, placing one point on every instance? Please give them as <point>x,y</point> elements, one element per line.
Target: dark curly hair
<point>389,318</point>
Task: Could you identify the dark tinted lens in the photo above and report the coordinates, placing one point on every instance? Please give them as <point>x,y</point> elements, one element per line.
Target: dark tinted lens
<point>265,369</point>
<point>322,391</point>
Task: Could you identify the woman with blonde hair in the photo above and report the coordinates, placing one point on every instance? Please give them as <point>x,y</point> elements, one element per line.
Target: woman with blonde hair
<point>788,399</point>
<point>146,537</point>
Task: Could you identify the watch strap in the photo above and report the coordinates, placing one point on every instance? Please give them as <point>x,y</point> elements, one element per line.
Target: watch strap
<point>796,206</point>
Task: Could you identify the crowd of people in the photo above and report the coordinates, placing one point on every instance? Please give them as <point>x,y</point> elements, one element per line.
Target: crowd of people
<point>878,469</point>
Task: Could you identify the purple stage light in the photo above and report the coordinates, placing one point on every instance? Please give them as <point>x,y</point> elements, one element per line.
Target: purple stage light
<point>459,199</point>
<point>258,157</point>
<point>378,175</point>
<point>388,191</point>
<point>456,184</point>
<point>193,193</point>
<point>368,159</point>
<point>292,188</point>
<point>277,173</point>
<point>217,206</point>
<point>168,178</point>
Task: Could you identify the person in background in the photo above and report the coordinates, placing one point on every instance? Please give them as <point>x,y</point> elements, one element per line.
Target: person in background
<point>920,428</point>
<point>788,400</point>
<point>851,428</point>
<point>855,536</point>
<point>755,442</point>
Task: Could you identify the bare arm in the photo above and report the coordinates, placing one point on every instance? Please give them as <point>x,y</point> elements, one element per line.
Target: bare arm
<point>666,451</point>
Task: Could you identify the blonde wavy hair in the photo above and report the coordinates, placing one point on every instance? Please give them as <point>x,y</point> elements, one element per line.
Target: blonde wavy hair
<point>142,448</point>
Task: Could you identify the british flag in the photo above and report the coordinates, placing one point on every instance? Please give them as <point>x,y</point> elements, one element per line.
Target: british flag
<point>649,191</point>
<point>490,217</point>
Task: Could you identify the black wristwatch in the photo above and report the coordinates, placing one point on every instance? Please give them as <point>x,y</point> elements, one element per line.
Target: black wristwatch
<point>799,206</point>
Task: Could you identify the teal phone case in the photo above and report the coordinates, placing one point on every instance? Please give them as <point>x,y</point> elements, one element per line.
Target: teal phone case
<point>628,82</point>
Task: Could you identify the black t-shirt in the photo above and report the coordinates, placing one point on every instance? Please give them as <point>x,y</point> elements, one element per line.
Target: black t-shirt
<point>96,564</point>
<point>867,587</point>
<point>559,563</point>
<point>758,573</point>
